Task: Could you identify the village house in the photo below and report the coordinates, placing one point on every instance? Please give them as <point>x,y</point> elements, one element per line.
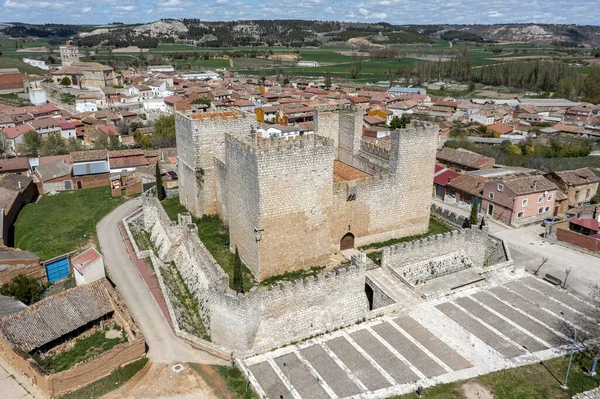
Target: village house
<point>88,266</point>
<point>14,261</point>
<point>464,189</point>
<point>90,168</point>
<point>53,324</point>
<point>464,160</point>
<point>13,81</point>
<point>13,137</point>
<point>579,185</point>
<point>519,200</point>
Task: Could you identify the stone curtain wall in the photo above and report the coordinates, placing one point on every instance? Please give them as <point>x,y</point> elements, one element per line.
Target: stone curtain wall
<point>452,218</point>
<point>243,200</point>
<point>200,139</point>
<point>296,192</point>
<point>472,242</point>
<point>266,316</point>
<point>391,205</point>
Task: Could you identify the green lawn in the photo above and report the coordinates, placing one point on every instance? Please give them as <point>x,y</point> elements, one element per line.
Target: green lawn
<point>6,62</point>
<point>84,348</point>
<point>536,381</point>
<point>113,381</point>
<point>56,223</point>
<point>215,237</point>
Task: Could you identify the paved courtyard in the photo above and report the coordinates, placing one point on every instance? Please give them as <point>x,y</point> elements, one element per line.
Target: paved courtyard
<point>508,323</point>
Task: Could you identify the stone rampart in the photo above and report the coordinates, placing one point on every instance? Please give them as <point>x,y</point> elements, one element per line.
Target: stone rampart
<point>265,317</point>
<point>375,150</point>
<point>472,242</point>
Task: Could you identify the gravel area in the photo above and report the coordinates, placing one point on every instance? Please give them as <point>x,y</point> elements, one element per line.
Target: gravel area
<point>492,339</point>
<point>333,375</point>
<point>302,380</point>
<point>357,363</point>
<point>386,359</point>
<point>268,380</point>
<point>410,351</point>
<point>432,343</point>
<point>501,325</point>
<point>518,318</point>
<point>560,295</point>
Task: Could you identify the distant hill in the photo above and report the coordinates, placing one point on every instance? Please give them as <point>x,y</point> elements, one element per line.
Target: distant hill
<point>301,33</point>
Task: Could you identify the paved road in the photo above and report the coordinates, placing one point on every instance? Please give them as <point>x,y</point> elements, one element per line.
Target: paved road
<point>528,247</point>
<point>15,385</point>
<point>162,343</point>
<point>512,321</point>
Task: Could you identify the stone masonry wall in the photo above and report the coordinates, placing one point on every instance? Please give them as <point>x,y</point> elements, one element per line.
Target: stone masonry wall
<point>295,190</point>
<point>394,205</point>
<point>472,242</point>
<point>243,201</point>
<point>200,139</point>
<point>266,316</point>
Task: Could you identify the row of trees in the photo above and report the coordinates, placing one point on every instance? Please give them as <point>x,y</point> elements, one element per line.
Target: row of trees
<point>35,145</point>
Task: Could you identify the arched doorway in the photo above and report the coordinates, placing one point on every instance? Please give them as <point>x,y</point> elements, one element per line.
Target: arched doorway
<point>347,241</point>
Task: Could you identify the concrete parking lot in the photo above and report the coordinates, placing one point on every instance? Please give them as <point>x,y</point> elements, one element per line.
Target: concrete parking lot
<point>510,322</point>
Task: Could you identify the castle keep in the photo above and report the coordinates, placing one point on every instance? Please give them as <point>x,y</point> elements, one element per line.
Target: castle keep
<point>290,203</point>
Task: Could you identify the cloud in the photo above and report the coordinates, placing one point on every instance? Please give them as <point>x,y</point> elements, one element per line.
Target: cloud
<point>393,11</point>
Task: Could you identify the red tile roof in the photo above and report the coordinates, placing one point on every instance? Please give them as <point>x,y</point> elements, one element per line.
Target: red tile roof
<point>13,132</point>
<point>84,259</point>
<point>591,224</point>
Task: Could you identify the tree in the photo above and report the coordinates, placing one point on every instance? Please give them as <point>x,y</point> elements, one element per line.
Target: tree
<point>473,218</point>
<point>400,123</point>
<point>25,289</point>
<point>356,68</point>
<point>65,81</point>
<point>101,141</point>
<point>114,143</point>
<point>74,144</point>
<point>32,142</point>
<point>238,280</point>
<point>164,131</point>
<point>53,145</point>
<point>591,88</point>
<point>327,79</point>
<point>160,192</point>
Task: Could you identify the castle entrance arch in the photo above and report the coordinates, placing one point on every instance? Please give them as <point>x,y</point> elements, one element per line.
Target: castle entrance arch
<point>347,241</point>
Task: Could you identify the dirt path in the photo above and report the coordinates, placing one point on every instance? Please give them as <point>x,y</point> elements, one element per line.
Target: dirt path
<point>159,380</point>
<point>474,390</point>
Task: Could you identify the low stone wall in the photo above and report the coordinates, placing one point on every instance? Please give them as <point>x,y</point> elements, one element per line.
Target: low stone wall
<point>265,317</point>
<point>380,298</point>
<point>80,375</point>
<point>473,242</point>
<point>447,216</point>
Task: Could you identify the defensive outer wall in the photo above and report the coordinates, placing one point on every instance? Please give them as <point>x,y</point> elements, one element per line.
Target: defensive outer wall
<point>268,317</point>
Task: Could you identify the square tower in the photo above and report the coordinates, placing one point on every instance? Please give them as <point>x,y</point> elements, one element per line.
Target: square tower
<point>69,55</point>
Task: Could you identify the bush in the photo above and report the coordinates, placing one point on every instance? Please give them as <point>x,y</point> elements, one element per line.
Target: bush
<point>25,289</point>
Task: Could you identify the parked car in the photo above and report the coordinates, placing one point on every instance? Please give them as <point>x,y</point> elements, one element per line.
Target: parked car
<point>550,221</point>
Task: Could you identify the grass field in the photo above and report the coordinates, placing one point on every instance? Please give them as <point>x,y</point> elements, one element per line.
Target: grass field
<point>537,381</point>
<point>83,349</point>
<point>214,236</point>
<point>6,62</point>
<point>56,224</point>
<point>114,380</point>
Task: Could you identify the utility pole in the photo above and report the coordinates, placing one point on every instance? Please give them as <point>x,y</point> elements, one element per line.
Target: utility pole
<point>564,386</point>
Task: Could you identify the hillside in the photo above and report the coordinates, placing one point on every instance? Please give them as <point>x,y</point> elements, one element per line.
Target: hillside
<point>301,33</point>
<point>6,62</point>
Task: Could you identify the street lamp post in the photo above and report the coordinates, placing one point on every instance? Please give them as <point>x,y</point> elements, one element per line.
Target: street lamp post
<point>564,386</point>
<point>288,376</point>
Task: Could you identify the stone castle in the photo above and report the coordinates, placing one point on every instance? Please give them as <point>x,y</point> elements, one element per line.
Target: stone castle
<point>289,204</point>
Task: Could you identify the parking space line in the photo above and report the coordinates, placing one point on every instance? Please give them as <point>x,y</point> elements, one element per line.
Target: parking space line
<point>343,366</point>
<point>389,347</point>
<point>373,362</point>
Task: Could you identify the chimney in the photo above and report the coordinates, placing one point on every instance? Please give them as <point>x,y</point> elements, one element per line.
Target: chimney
<point>534,183</point>
<point>19,183</point>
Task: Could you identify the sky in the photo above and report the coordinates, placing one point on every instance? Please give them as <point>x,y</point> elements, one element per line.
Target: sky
<point>585,12</point>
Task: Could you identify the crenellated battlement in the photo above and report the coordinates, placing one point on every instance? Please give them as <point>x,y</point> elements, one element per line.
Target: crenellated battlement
<point>279,145</point>
<point>375,149</point>
<point>363,183</point>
